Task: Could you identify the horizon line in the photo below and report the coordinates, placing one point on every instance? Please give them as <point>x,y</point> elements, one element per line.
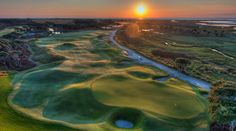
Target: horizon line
<point>161,18</point>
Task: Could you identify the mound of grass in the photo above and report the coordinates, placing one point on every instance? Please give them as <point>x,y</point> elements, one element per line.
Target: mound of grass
<point>139,74</point>
<point>12,121</point>
<point>38,86</point>
<point>145,72</point>
<point>97,65</point>
<point>43,55</point>
<point>74,106</point>
<point>168,100</point>
<point>6,31</point>
<point>121,62</point>
<point>66,46</point>
<point>145,75</point>
<point>107,53</point>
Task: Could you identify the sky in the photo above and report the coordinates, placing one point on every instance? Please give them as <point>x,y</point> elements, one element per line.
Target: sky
<point>117,8</point>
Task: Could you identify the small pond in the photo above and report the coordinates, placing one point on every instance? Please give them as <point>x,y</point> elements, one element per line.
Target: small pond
<point>124,124</point>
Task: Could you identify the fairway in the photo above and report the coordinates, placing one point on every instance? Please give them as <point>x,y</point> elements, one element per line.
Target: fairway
<point>12,120</point>
<point>92,84</point>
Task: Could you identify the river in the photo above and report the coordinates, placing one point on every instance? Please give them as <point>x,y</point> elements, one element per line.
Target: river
<point>172,72</point>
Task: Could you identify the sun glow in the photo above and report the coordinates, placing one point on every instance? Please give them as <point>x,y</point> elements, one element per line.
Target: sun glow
<point>141,10</point>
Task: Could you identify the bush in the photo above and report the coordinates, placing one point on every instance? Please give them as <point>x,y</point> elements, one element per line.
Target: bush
<point>222,102</point>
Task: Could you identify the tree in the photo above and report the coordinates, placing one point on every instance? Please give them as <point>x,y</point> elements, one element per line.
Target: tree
<point>182,63</point>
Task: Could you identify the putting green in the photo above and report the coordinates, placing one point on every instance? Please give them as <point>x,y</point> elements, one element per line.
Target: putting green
<point>148,95</point>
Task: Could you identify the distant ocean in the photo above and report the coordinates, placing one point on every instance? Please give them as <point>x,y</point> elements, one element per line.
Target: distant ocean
<point>219,23</point>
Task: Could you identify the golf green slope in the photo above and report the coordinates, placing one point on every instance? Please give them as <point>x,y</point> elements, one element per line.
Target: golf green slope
<point>166,100</point>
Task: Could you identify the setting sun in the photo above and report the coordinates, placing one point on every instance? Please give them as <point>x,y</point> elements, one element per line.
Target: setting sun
<point>141,10</point>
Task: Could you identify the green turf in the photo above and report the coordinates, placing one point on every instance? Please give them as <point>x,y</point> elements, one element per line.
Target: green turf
<point>140,74</point>
<point>13,121</point>
<point>61,89</point>
<point>171,100</point>
<point>38,86</point>
<point>77,104</point>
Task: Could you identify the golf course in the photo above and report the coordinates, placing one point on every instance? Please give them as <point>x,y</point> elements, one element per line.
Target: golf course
<point>82,81</point>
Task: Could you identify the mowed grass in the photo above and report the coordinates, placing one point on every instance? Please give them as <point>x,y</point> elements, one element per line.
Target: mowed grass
<point>38,86</point>
<point>65,86</point>
<point>10,120</point>
<point>173,99</point>
<point>76,106</point>
<point>46,84</point>
<point>143,72</point>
